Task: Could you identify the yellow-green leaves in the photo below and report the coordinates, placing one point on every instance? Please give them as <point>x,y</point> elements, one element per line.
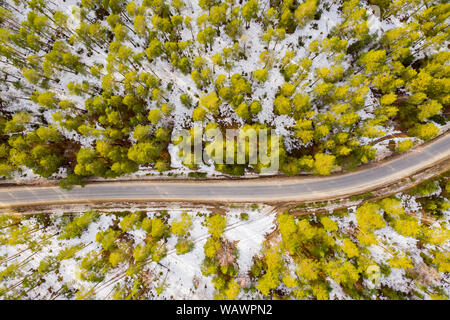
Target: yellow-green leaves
<point>368,217</point>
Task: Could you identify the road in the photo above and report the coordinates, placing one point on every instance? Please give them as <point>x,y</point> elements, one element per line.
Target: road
<point>268,190</point>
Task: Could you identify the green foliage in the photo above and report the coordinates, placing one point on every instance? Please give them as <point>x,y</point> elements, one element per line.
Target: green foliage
<point>130,221</point>
<point>350,249</point>
<point>404,145</point>
<point>158,228</point>
<point>69,252</point>
<point>309,251</point>
<point>184,246</point>
<point>144,51</point>
<point>401,262</point>
<point>180,227</point>
<point>211,247</point>
<point>261,75</point>
<point>324,163</point>
<point>216,225</point>
<point>424,131</point>
<point>79,224</point>
<point>368,217</point>
<point>142,252</point>
<point>329,224</point>
<point>108,239</point>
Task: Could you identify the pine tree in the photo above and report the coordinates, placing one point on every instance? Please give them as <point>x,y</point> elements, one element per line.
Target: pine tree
<point>324,163</point>
<point>216,225</point>
<point>250,10</point>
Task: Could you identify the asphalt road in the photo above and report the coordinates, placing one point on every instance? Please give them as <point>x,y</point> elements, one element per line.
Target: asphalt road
<point>256,190</point>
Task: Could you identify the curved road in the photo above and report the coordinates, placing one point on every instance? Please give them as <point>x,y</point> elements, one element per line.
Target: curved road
<point>258,190</point>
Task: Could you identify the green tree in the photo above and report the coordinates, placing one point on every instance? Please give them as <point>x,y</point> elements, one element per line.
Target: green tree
<point>181,226</point>
<point>368,217</point>
<point>425,131</point>
<point>206,37</point>
<point>216,225</point>
<point>250,10</point>
<point>261,75</point>
<point>155,49</point>
<point>324,163</point>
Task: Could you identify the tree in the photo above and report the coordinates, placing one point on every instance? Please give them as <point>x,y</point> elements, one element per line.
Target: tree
<point>373,60</point>
<point>442,260</point>
<point>329,224</point>
<point>250,10</point>
<point>286,225</point>
<point>255,107</point>
<point>107,239</point>
<point>407,226</point>
<point>324,163</point>
<point>282,105</point>
<point>217,15</point>
<point>89,163</point>
<point>404,145</point>
<point>271,279</point>
<point>392,206</point>
<point>143,152</point>
<point>155,49</point>
<point>41,150</point>
<point>216,225</point>
<point>429,109</point>
<point>31,75</point>
<point>425,131</point>
<point>129,221</point>
<point>206,4</point>
<point>120,32</point>
<point>210,102</point>
<point>46,99</point>
<point>141,132</point>
<point>141,252</point>
<point>116,257</point>
<point>243,111</point>
<point>232,291</point>
<point>211,247</point>
<point>308,269</point>
<point>344,273</point>
<point>184,246</point>
<point>261,75</point>
<point>368,217</point>
<point>305,12</point>
<point>206,37</point>
<point>301,103</point>
<point>234,28</point>
<point>154,116</point>
<point>350,249</point>
<point>323,88</point>
<point>388,99</point>
<point>79,224</point>
<point>291,166</point>
<point>186,100</point>
<point>140,25</point>
<point>199,114</point>
<point>181,226</point>
<point>158,228</point>
<point>287,89</point>
<point>267,283</point>
<point>401,262</point>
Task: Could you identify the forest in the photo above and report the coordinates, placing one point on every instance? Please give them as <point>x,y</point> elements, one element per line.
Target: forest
<point>392,248</point>
<point>97,88</point>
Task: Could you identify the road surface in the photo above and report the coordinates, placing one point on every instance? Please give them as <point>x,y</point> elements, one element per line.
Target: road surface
<point>269,190</point>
